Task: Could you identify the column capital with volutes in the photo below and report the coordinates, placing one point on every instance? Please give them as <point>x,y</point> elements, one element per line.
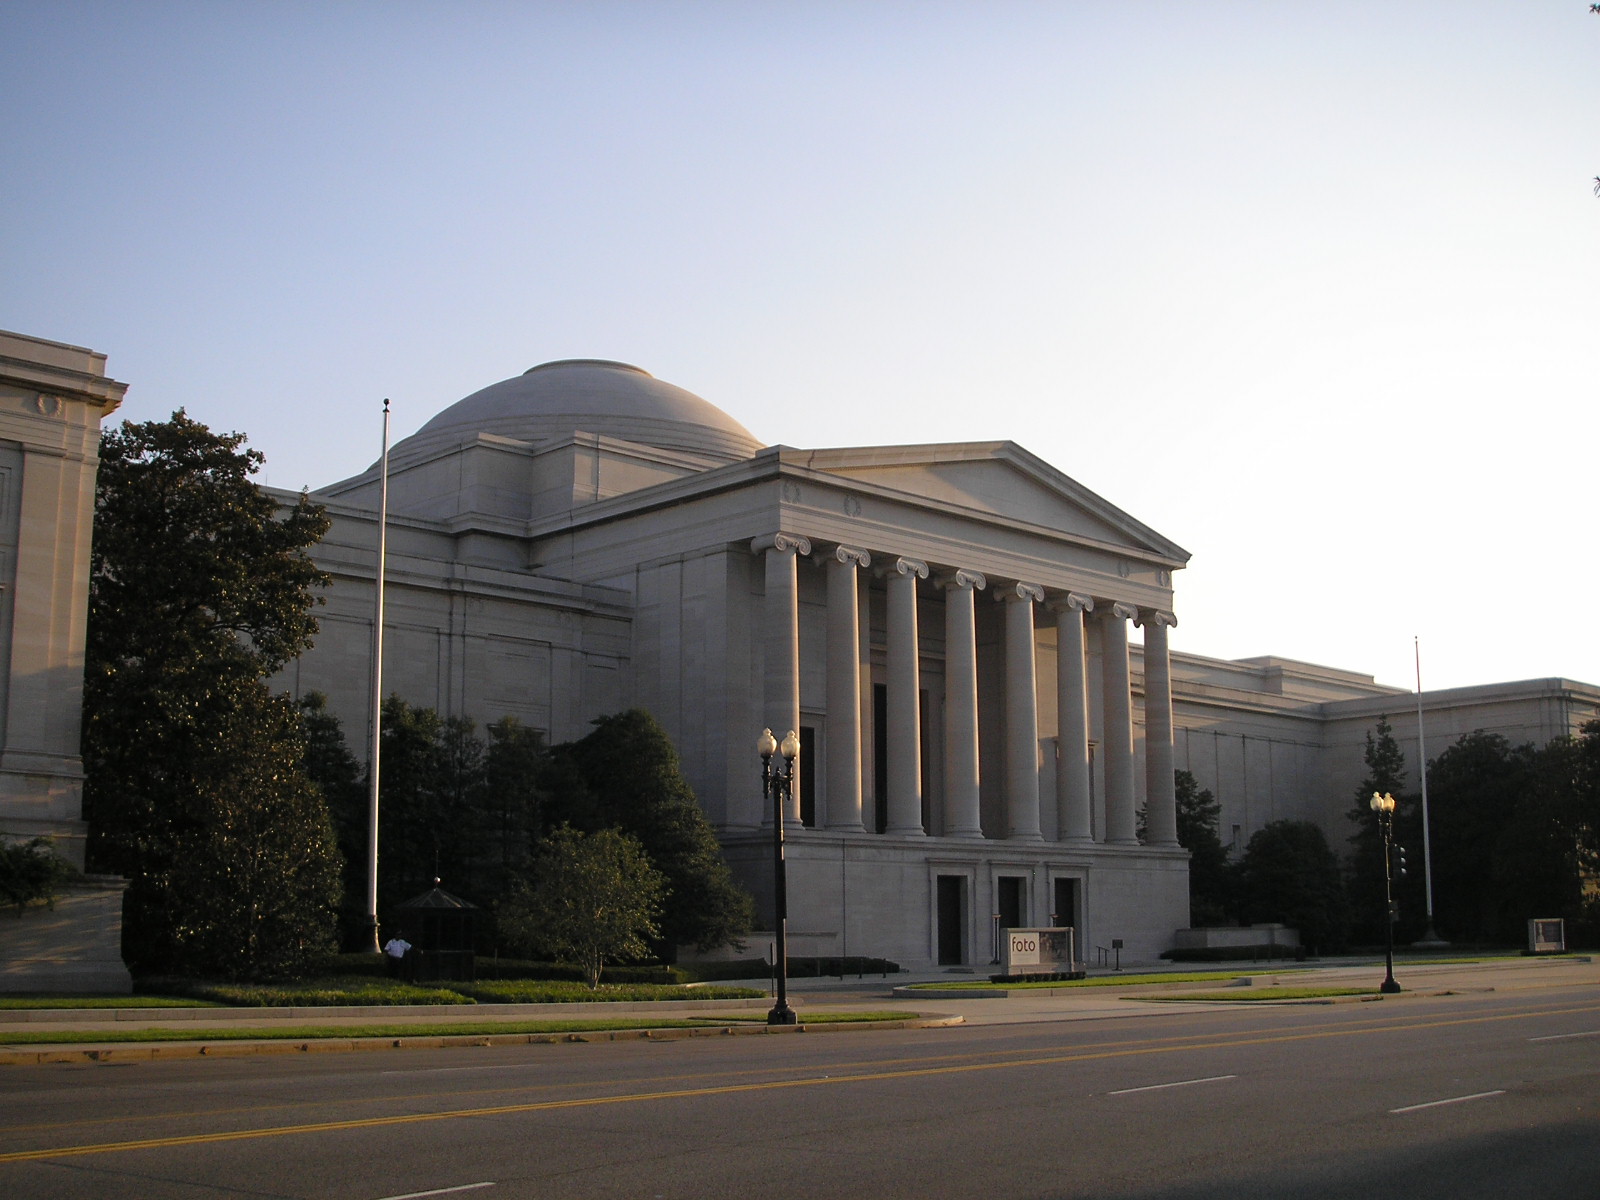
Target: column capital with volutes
<point>1072,602</point>
<point>1020,591</point>
<point>848,555</point>
<point>912,567</point>
<point>1156,616</point>
<point>964,578</point>
<point>1123,612</point>
<point>783,543</point>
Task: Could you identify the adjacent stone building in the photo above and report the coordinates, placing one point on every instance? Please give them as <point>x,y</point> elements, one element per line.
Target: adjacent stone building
<point>52,400</point>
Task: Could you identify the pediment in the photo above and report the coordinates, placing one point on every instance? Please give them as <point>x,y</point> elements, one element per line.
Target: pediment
<point>1001,481</point>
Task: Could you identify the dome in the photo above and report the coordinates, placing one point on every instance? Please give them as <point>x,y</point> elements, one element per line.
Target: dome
<point>597,396</point>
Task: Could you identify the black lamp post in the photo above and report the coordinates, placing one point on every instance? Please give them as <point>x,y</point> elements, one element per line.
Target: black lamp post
<point>1383,805</point>
<point>776,785</point>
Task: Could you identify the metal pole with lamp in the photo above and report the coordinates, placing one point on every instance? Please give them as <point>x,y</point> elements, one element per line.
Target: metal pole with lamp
<point>776,785</point>
<point>1383,805</point>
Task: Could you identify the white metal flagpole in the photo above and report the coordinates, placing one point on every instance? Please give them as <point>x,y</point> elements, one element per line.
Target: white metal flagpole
<point>377,685</point>
<point>1429,937</point>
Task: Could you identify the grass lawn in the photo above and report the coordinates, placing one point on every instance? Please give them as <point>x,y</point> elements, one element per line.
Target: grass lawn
<point>1106,980</point>
<point>1260,995</point>
<point>30,1000</point>
<point>377,1029</point>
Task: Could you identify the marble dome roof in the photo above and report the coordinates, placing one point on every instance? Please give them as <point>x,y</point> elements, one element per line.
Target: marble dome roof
<point>592,395</point>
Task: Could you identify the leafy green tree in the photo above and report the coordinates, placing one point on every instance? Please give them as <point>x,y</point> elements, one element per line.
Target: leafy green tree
<point>254,890</point>
<point>511,803</point>
<point>200,587</point>
<point>334,769</point>
<point>1547,856</point>
<point>1477,788</point>
<point>630,780</point>
<point>1288,874</point>
<point>1386,773</point>
<point>1210,881</point>
<point>594,898</point>
<point>429,772</point>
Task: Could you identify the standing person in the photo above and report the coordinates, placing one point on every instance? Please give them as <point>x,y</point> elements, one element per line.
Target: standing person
<point>394,953</point>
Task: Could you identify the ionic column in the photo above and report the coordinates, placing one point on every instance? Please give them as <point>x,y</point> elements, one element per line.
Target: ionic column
<point>904,699</point>
<point>1022,714</point>
<point>781,695</point>
<point>844,688</point>
<point>961,815</point>
<point>1161,805</point>
<point>1074,792</point>
<point>1120,824</point>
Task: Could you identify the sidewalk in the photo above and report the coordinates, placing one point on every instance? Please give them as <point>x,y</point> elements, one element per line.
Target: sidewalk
<point>891,993</point>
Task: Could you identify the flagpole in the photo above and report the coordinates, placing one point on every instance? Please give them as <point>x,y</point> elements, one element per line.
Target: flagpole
<point>376,712</point>
<point>1429,937</point>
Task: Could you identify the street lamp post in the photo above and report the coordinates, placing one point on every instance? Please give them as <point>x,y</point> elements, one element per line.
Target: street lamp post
<point>776,786</point>
<point>1383,805</point>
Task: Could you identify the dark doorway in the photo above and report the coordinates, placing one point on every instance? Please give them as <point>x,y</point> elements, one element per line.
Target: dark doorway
<point>1066,898</point>
<point>1009,901</point>
<point>952,918</point>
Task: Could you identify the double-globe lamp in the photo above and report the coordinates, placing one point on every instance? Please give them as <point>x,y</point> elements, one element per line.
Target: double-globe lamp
<point>776,785</point>
<point>1383,804</point>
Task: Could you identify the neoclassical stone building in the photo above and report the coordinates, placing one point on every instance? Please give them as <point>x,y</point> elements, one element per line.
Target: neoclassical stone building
<point>584,537</point>
<point>947,626</point>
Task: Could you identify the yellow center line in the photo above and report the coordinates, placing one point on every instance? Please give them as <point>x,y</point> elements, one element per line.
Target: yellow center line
<point>1122,1051</point>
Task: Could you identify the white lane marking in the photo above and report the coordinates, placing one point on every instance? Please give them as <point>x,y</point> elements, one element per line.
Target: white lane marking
<point>1559,1037</point>
<point>1156,1087</point>
<point>1452,1100</point>
<point>465,1187</point>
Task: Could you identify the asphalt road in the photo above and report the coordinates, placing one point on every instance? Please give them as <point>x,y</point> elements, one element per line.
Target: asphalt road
<point>1494,1094</point>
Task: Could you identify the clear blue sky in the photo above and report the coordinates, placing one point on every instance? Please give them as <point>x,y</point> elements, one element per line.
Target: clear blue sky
<point>1308,287</point>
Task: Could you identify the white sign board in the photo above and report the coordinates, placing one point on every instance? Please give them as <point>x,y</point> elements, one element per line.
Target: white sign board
<point>1037,952</point>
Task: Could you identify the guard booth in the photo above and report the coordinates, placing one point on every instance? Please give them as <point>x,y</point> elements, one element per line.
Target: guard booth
<point>439,928</point>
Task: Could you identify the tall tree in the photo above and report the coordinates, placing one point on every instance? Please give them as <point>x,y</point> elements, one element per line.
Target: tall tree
<point>630,780</point>
<point>1289,874</point>
<point>1547,856</point>
<point>1386,774</point>
<point>1210,881</point>
<point>1477,788</point>
<point>334,769</point>
<point>200,587</point>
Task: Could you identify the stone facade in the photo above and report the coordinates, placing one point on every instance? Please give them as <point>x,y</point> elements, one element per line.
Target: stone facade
<point>52,400</point>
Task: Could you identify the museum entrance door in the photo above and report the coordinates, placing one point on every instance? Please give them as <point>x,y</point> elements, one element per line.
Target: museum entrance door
<point>1008,901</point>
<point>952,902</point>
<point>1065,912</point>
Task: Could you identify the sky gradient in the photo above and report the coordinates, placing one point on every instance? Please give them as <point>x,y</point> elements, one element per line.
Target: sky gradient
<point>1307,287</point>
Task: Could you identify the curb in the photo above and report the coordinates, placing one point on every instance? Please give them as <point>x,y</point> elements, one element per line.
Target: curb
<point>156,1051</point>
